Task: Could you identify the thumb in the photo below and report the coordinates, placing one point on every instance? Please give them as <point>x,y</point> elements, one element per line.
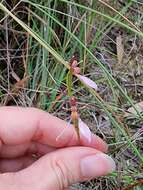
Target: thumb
<point>59,169</point>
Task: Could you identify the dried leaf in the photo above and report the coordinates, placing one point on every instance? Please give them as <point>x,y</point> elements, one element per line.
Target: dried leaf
<point>132,111</point>
<point>120,48</point>
<point>88,81</point>
<point>16,88</point>
<point>84,130</point>
<point>20,84</point>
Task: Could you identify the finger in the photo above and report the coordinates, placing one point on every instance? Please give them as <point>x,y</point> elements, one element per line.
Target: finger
<point>13,151</point>
<point>96,142</point>
<point>22,125</point>
<point>14,165</point>
<point>63,167</point>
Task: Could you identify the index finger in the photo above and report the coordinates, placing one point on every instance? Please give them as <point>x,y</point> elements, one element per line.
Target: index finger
<point>21,125</point>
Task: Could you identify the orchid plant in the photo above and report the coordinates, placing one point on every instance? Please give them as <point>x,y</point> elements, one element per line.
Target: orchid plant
<point>80,127</point>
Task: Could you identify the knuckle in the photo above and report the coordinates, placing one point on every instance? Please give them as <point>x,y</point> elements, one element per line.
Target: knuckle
<point>63,173</point>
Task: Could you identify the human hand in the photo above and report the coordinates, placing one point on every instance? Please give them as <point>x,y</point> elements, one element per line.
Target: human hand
<point>25,132</point>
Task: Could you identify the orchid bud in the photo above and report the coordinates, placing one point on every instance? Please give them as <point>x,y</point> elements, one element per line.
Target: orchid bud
<point>74,63</point>
<point>76,70</point>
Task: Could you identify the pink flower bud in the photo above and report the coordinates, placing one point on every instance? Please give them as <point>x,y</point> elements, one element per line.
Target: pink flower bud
<point>74,63</point>
<point>76,70</point>
<point>84,130</point>
<point>88,81</point>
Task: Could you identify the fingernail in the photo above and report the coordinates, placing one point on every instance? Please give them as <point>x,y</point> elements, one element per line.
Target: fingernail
<point>97,165</point>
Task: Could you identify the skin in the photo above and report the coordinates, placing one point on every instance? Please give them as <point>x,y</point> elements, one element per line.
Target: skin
<point>32,158</point>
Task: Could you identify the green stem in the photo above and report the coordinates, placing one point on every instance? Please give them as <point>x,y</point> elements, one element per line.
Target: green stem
<point>69,83</point>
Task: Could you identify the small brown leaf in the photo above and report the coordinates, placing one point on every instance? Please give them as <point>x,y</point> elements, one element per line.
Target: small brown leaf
<point>120,48</point>
<point>132,111</point>
<point>20,84</point>
<point>16,88</point>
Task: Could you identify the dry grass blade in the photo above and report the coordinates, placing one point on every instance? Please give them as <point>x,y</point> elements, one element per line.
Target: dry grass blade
<point>125,18</point>
<point>120,48</point>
